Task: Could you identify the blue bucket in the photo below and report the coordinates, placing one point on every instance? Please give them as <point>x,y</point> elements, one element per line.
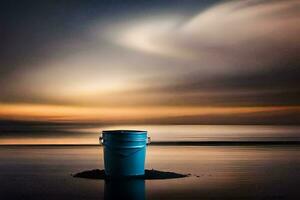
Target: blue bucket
<point>124,152</point>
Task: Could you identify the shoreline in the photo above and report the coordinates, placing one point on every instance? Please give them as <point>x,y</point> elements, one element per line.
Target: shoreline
<point>182,143</point>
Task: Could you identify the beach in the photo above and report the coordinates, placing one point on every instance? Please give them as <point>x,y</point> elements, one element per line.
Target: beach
<point>216,172</point>
<point>208,91</point>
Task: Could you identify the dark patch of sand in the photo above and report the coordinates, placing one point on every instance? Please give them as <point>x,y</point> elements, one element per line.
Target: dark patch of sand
<point>149,175</point>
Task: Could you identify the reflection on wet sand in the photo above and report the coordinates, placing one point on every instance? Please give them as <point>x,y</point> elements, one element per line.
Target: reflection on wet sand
<point>133,189</point>
<point>127,187</point>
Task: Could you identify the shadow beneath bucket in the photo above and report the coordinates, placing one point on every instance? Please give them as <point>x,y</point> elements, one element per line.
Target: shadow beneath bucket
<point>149,175</point>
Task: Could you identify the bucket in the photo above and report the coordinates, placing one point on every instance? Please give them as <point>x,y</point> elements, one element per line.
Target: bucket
<point>124,152</point>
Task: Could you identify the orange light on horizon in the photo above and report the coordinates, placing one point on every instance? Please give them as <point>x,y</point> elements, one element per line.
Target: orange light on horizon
<point>49,141</point>
<point>110,114</point>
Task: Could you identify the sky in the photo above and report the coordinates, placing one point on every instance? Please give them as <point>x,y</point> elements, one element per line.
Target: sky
<point>149,62</point>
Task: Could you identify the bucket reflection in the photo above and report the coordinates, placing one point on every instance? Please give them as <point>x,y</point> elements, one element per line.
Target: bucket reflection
<point>133,189</point>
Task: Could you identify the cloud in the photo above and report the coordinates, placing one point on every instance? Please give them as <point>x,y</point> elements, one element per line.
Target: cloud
<point>232,53</point>
<point>230,36</point>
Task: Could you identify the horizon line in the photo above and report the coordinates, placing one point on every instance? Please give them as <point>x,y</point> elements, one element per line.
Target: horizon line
<point>183,143</point>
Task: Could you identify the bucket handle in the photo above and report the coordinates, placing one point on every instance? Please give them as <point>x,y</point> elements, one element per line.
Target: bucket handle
<point>148,140</point>
<point>101,140</point>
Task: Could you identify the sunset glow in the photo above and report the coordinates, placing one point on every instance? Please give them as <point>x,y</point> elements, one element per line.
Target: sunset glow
<point>113,114</point>
<point>194,62</point>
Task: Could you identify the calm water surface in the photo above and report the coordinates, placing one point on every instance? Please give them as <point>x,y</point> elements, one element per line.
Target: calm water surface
<point>77,135</point>
<point>254,172</point>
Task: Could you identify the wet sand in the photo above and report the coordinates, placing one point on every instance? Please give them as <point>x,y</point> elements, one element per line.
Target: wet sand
<point>224,172</point>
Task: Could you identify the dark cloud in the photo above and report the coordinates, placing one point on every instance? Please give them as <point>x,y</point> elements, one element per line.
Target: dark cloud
<point>273,85</point>
<point>14,128</point>
<point>282,77</point>
<point>286,117</point>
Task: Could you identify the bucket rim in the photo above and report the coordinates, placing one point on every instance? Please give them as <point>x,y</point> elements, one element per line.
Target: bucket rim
<point>124,131</point>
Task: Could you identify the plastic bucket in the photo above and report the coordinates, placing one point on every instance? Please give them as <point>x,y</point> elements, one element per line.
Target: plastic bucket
<point>124,152</point>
